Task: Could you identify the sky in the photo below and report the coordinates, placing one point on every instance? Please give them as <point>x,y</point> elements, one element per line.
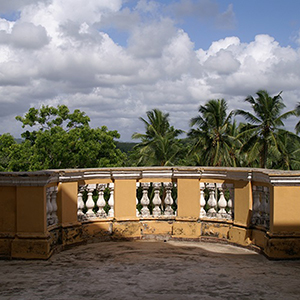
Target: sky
<point>118,59</point>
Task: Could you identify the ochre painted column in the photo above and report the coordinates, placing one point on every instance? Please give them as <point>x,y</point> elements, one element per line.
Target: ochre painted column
<point>125,197</point>
<point>241,233</point>
<point>242,203</point>
<point>188,198</point>
<point>31,210</point>
<point>283,239</point>
<point>125,210</point>
<point>32,239</point>
<point>67,203</point>
<point>7,218</point>
<point>71,230</point>
<point>188,209</point>
<point>285,210</point>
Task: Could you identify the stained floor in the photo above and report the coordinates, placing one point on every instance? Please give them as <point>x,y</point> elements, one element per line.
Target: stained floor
<point>151,270</point>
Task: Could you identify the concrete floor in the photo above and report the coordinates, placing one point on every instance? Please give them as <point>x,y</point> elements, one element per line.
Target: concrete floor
<point>151,270</point>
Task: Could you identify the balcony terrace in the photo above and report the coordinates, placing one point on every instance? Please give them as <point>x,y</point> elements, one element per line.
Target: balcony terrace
<point>151,270</point>
<point>47,211</point>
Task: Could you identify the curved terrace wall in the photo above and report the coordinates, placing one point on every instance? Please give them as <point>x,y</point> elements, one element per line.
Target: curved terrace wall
<point>41,212</point>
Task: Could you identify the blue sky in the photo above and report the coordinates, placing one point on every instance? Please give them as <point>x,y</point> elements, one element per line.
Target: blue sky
<point>117,59</point>
<point>277,18</point>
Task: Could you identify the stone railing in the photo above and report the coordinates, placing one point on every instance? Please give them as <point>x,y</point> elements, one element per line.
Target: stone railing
<point>48,210</point>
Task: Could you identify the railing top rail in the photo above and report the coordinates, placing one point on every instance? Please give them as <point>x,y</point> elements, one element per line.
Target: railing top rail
<point>42,178</point>
<point>38,178</point>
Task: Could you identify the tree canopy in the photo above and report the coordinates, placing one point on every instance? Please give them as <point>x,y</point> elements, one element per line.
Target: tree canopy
<point>159,144</point>
<point>54,137</point>
<point>212,139</point>
<point>57,138</point>
<point>262,131</point>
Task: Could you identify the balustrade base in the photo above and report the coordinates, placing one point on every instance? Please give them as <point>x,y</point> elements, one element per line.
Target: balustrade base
<point>240,236</point>
<point>62,237</point>
<point>282,247</point>
<point>153,228</point>
<point>216,230</point>
<point>29,248</point>
<point>182,229</point>
<point>5,246</point>
<point>124,230</point>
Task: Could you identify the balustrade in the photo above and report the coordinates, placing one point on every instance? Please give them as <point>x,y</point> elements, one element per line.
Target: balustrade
<point>216,200</point>
<point>51,194</point>
<point>95,201</point>
<point>154,199</point>
<point>261,206</point>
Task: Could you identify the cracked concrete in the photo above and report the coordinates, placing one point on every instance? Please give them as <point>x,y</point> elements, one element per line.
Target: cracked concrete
<point>151,270</point>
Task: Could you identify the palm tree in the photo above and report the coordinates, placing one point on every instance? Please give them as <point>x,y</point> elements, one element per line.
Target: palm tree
<point>213,140</point>
<point>263,126</point>
<point>297,110</point>
<point>159,144</point>
<point>289,151</point>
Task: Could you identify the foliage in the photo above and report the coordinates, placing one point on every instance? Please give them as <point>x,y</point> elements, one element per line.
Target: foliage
<point>213,139</point>
<point>7,143</point>
<point>262,131</point>
<point>159,144</point>
<point>63,140</point>
<point>55,138</point>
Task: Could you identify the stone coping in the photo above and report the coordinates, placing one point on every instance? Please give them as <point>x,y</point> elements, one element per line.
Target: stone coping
<point>46,177</point>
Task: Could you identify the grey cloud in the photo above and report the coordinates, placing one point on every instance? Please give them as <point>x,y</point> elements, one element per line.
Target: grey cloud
<point>204,10</point>
<point>124,20</point>
<point>149,40</point>
<point>201,9</point>
<point>4,37</point>
<point>7,6</point>
<point>29,36</point>
<point>226,20</point>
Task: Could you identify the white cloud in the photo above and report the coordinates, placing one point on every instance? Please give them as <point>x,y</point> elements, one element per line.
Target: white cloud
<point>77,63</point>
<point>223,62</point>
<point>149,40</point>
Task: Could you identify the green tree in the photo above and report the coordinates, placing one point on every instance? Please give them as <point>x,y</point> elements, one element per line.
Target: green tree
<point>61,139</point>
<point>297,111</point>
<point>262,129</point>
<point>159,144</point>
<point>288,156</point>
<point>7,143</point>
<point>214,143</point>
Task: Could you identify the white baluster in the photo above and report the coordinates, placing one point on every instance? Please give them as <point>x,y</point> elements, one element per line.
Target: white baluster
<point>111,201</point>
<point>80,204</point>
<point>137,200</point>
<point>168,199</point>
<point>230,188</point>
<point>54,205</point>
<point>145,199</point>
<point>49,206</point>
<point>212,203</point>
<point>90,202</point>
<point>222,203</point>
<point>267,207</point>
<point>256,205</point>
<point>202,200</point>
<point>101,201</point>
<point>175,200</point>
<point>156,199</point>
